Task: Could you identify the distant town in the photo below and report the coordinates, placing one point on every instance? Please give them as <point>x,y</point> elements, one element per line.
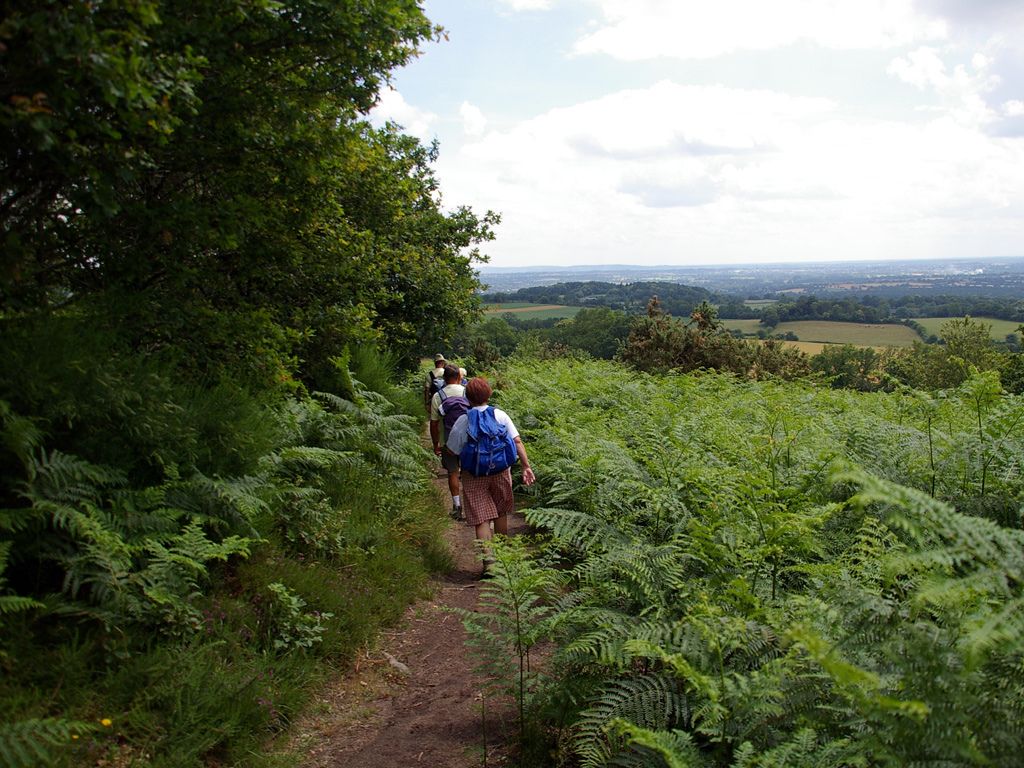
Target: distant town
<point>1002,277</point>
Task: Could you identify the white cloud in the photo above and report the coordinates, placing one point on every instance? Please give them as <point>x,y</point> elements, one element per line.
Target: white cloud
<point>1013,108</point>
<point>700,174</point>
<point>527,5</point>
<point>392,107</point>
<point>473,120</point>
<point>696,29</point>
<point>962,92</point>
<point>921,68</point>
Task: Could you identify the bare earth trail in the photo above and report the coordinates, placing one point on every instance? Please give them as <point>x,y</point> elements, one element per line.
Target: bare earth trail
<point>413,699</point>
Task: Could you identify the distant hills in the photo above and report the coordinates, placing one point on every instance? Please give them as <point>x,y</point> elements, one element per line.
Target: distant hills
<point>1002,277</point>
<point>675,298</point>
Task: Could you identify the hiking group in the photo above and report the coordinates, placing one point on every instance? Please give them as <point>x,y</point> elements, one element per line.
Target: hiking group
<point>478,444</point>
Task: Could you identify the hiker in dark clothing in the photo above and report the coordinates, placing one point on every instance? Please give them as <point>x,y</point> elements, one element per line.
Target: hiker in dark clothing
<point>433,382</point>
<point>446,406</point>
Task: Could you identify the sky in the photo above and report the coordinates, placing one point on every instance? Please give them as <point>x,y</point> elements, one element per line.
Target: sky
<point>726,131</point>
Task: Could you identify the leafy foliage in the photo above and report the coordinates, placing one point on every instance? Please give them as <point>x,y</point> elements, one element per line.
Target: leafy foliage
<point>513,615</point>
<point>660,343</point>
<point>968,348</point>
<point>197,176</point>
<point>200,230</point>
<point>108,563</point>
<point>31,743</point>
<point>766,574</point>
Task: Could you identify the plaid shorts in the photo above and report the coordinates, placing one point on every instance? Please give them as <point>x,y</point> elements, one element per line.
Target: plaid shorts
<point>486,498</point>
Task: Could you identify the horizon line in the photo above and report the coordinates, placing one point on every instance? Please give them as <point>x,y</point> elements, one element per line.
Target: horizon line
<point>557,267</point>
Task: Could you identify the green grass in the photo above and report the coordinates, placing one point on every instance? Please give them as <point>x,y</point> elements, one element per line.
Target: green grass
<point>859,334</point>
<point>526,311</point>
<point>748,327</point>
<point>760,303</point>
<point>508,305</point>
<point>999,327</point>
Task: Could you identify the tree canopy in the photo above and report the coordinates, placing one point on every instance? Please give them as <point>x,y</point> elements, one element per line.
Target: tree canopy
<point>206,247</point>
<point>199,173</point>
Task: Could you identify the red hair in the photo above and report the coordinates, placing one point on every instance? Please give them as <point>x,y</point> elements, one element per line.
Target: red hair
<point>478,391</point>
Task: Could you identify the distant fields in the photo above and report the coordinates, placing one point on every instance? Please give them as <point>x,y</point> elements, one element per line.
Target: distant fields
<point>746,326</point>
<point>815,334</point>
<point>859,334</point>
<point>808,347</point>
<point>812,334</point>
<point>999,327</point>
<point>527,311</point>
<point>760,303</point>
<point>509,305</point>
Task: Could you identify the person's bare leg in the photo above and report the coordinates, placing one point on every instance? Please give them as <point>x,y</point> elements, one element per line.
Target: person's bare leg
<point>483,531</point>
<point>484,535</point>
<point>501,525</point>
<point>453,483</point>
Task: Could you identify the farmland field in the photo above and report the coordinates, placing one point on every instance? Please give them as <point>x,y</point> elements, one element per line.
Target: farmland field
<point>760,303</point>
<point>749,327</point>
<point>527,311</point>
<point>808,347</point>
<point>505,306</point>
<point>860,334</point>
<point>1000,328</point>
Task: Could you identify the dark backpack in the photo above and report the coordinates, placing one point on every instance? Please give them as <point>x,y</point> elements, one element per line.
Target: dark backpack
<point>436,384</point>
<point>489,449</point>
<point>450,409</point>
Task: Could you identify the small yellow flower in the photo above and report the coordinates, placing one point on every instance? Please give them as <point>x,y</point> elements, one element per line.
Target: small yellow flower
<point>74,737</point>
<point>106,722</point>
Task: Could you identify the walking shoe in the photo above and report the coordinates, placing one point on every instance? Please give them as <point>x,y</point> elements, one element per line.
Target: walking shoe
<point>456,513</point>
<point>488,572</point>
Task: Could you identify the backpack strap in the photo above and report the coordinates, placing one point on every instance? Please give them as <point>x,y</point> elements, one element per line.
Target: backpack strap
<point>472,424</point>
<point>490,412</point>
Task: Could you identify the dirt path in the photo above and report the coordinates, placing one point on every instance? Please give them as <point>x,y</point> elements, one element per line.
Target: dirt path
<point>413,700</point>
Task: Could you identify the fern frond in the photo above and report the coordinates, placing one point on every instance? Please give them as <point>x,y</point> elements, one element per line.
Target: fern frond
<point>804,750</point>
<point>572,527</point>
<point>674,749</point>
<point>30,743</point>
<point>19,434</point>
<point>651,701</point>
<point>62,477</point>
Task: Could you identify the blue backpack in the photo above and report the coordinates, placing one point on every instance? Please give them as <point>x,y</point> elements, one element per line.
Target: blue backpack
<point>489,449</point>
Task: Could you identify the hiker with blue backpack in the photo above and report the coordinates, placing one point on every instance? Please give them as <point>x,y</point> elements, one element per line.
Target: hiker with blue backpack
<point>487,444</point>
<point>446,406</point>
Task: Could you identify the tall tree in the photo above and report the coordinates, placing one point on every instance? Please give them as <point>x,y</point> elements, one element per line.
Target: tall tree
<point>200,169</point>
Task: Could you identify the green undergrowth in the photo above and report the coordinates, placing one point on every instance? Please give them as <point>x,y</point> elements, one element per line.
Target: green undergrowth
<point>181,561</point>
<point>751,574</point>
<point>216,696</point>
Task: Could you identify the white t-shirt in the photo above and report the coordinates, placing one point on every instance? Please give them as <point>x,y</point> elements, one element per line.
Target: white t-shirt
<point>457,439</point>
<point>450,390</point>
